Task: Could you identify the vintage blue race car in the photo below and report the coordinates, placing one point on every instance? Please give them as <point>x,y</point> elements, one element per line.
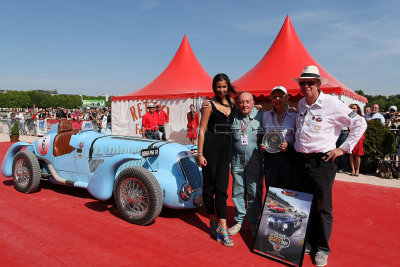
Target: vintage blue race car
<point>284,223</point>
<point>142,174</point>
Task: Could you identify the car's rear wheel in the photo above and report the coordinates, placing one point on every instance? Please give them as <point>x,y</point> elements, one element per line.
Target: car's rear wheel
<point>26,172</point>
<point>138,195</point>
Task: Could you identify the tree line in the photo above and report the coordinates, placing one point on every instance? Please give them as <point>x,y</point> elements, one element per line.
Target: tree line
<point>384,101</point>
<point>27,99</point>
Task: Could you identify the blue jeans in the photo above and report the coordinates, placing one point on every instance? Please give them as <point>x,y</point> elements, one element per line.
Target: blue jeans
<point>247,192</point>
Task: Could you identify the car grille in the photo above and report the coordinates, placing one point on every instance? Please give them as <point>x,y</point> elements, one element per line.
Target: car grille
<point>191,172</point>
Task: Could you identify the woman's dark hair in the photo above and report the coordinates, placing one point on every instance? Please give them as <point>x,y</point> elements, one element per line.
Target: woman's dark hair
<point>191,105</point>
<point>359,112</point>
<point>231,89</point>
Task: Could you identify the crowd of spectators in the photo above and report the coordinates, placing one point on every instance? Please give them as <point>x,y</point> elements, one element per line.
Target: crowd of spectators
<point>391,119</point>
<point>100,117</point>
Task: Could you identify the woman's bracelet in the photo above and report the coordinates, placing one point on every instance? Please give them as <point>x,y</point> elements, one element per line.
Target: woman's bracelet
<point>199,154</point>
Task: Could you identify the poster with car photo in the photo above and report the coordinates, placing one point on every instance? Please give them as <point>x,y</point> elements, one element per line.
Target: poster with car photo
<point>283,226</point>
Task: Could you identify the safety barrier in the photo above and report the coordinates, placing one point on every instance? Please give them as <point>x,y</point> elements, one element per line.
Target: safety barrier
<point>36,127</point>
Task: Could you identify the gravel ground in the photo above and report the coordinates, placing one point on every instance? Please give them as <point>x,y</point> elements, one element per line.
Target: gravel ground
<point>363,178</point>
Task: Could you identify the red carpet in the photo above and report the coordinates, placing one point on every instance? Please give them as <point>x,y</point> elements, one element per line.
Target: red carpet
<point>66,226</point>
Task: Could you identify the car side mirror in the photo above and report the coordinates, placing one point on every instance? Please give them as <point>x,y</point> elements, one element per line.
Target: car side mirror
<point>75,141</point>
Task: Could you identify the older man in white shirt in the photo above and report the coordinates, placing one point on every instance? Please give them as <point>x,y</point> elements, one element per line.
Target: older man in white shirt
<point>375,114</point>
<point>320,121</point>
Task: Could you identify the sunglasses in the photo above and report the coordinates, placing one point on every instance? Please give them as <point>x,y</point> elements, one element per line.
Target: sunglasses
<point>309,83</point>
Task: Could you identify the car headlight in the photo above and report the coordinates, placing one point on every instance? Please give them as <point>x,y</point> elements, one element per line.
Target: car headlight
<point>285,226</point>
<point>270,219</point>
<point>186,191</point>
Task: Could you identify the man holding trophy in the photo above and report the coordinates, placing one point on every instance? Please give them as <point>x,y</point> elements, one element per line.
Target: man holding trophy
<point>279,127</point>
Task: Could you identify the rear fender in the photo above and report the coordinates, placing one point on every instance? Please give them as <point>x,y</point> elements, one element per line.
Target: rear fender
<point>6,166</point>
<point>102,182</point>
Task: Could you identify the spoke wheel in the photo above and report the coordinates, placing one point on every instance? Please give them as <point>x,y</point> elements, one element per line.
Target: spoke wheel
<point>138,195</point>
<point>134,197</point>
<point>26,172</point>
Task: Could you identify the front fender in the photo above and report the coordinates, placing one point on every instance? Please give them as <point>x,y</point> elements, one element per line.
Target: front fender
<point>170,187</point>
<point>6,166</point>
<point>102,182</point>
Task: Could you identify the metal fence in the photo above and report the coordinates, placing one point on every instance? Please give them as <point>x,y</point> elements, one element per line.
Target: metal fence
<point>36,127</point>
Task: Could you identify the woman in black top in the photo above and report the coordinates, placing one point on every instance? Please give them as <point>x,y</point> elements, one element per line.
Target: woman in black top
<point>214,146</point>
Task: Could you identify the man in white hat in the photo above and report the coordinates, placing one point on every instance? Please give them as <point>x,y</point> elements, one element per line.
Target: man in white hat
<point>150,123</point>
<point>390,114</point>
<point>319,123</point>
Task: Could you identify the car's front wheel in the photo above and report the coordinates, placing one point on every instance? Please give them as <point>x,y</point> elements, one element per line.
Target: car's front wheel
<point>26,172</point>
<point>138,195</point>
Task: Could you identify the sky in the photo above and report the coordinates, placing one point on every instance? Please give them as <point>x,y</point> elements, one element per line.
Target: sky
<point>115,47</point>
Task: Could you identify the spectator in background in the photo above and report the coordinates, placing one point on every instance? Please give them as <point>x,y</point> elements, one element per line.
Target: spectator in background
<point>358,150</point>
<point>193,125</point>
<point>150,123</point>
<point>9,117</point>
<point>51,113</point>
<point>342,162</point>
<point>86,115</point>
<point>59,113</point>
<point>109,118</point>
<point>390,114</point>
<point>80,116</point>
<point>103,121</point>
<point>69,115</point>
<point>394,126</point>
<point>367,110</point>
<point>163,119</point>
<point>41,114</point>
<point>46,115</point>
<point>29,121</point>
<point>375,114</point>
<point>21,120</point>
<point>93,116</point>
<point>75,115</point>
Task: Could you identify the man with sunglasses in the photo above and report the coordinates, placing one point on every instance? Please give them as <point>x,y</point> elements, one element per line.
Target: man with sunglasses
<point>319,123</point>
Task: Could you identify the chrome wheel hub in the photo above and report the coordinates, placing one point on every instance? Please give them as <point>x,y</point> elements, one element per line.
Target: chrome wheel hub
<point>134,197</point>
<point>22,174</point>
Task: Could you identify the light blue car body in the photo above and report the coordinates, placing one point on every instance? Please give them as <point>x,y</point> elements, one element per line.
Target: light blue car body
<point>97,159</point>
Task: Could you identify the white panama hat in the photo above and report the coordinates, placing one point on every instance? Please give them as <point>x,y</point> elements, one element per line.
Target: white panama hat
<point>279,87</point>
<point>151,105</point>
<point>311,72</point>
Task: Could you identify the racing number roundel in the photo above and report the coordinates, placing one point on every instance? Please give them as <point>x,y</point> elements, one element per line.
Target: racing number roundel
<point>43,144</point>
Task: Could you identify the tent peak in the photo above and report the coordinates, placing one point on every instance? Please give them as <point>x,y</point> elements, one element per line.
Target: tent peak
<point>183,77</point>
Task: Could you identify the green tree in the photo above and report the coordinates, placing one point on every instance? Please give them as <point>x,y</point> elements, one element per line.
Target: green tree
<point>378,142</point>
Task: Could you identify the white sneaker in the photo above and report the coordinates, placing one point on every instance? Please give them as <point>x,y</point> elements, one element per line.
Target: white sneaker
<point>321,258</point>
<point>234,229</point>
